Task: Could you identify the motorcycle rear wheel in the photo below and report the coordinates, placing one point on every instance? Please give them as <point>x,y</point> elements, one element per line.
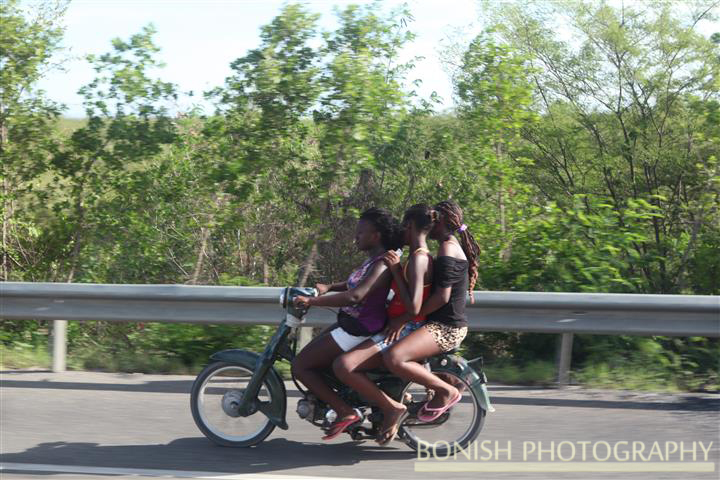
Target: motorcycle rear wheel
<point>454,430</point>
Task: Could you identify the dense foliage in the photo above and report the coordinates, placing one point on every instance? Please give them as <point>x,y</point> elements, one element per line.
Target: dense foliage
<point>585,158</point>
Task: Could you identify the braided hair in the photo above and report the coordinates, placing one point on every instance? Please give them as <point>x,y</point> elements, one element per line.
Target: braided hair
<point>391,233</point>
<point>453,215</point>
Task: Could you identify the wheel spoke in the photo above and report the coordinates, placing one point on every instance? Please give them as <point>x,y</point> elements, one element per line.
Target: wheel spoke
<point>461,424</point>
<point>216,402</point>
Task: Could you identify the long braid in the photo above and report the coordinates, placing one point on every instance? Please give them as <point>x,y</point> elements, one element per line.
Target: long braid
<point>454,220</point>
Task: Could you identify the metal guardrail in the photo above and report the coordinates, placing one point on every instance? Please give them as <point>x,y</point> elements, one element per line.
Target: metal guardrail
<point>564,313</point>
<point>627,314</point>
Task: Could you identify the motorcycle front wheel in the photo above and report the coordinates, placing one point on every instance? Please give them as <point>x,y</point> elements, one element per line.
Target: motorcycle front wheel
<point>215,395</point>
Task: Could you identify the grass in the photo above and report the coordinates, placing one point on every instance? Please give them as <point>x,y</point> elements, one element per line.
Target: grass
<point>534,373</point>
<point>99,360</point>
<point>639,377</point>
<point>631,377</point>
<point>24,356</point>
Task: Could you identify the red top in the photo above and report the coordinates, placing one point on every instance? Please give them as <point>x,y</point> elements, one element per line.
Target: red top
<point>397,307</point>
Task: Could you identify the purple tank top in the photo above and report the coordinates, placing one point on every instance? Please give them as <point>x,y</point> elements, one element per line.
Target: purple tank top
<point>371,313</point>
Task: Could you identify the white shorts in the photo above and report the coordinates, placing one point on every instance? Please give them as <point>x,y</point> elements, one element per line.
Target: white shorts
<point>344,340</point>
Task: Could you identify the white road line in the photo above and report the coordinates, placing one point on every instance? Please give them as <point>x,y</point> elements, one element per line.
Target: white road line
<point>39,467</point>
<point>562,467</point>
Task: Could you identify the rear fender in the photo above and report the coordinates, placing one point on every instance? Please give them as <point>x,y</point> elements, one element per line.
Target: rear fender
<point>460,367</point>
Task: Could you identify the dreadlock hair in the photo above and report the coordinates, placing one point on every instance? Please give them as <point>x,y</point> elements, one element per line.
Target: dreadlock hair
<point>422,215</point>
<point>391,234</point>
<point>454,220</point>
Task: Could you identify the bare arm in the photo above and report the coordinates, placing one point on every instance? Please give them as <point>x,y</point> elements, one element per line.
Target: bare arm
<point>411,293</point>
<point>338,287</point>
<point>441,295</point>
<point>378,274</point>
<point>323,288</point>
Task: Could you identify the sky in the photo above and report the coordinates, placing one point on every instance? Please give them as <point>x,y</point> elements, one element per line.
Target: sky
<point>200,38</point>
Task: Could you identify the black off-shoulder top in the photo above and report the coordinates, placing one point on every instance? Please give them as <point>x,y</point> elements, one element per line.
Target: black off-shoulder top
<point>451,272</point>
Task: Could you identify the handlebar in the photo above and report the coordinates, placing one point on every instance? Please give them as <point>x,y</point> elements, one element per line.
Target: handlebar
<point>287,299</point>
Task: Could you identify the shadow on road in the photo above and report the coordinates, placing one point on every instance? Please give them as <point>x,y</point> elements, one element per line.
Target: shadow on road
<point>199,454</point>
<point>693,404</point>
<point>690,403</point>
<point>162,386</point>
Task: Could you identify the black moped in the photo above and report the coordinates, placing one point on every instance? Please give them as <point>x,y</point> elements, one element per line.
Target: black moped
<point>239,398</point>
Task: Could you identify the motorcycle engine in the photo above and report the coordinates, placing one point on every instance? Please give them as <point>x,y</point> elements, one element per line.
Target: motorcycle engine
<point>306,409</point>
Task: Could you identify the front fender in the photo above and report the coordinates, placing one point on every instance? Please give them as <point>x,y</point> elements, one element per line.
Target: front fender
<point>460,367</point>
<point>277,410</point>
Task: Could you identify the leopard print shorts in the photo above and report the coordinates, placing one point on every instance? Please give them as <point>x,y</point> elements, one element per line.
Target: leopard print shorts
<point>447,337</point>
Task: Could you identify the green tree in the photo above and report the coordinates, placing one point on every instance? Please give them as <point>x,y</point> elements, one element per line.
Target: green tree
<point>303,128</point>
<point>127,123</point>
<point>622,103</point>
<point>263,104</point>
<point>262,143</point>
<point>495,104</point>
<point>362,107</point>
<point>27,44</point>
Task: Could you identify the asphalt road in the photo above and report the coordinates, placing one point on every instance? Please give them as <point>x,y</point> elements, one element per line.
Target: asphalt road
<point>87,425</point>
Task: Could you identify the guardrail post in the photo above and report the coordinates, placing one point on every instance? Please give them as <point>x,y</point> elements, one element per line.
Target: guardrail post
<point>59,345</point>
<point>564,357</point>
<point>305,334</point>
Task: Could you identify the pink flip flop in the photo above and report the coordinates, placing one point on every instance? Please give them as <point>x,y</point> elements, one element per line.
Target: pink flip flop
<point>340,427</point>
<point>436,412</point>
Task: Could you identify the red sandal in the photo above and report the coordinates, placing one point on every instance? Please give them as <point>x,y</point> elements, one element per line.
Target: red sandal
<point>339,427</point>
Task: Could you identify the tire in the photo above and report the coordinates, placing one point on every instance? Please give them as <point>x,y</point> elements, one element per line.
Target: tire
<point>447,446</point>
<point>206,405</point>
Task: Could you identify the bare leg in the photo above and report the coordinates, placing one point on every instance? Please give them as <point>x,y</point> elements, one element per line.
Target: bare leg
<point>320,335</point>
<point>401,359</point>
<point>327,329</point>
<point>319,355</point>
<point>349,367</point>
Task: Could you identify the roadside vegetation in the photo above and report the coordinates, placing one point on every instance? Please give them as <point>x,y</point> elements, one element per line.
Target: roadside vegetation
<point>583,164</point>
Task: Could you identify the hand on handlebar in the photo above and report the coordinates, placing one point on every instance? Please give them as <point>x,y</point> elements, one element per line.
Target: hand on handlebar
<point>301,301</point>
